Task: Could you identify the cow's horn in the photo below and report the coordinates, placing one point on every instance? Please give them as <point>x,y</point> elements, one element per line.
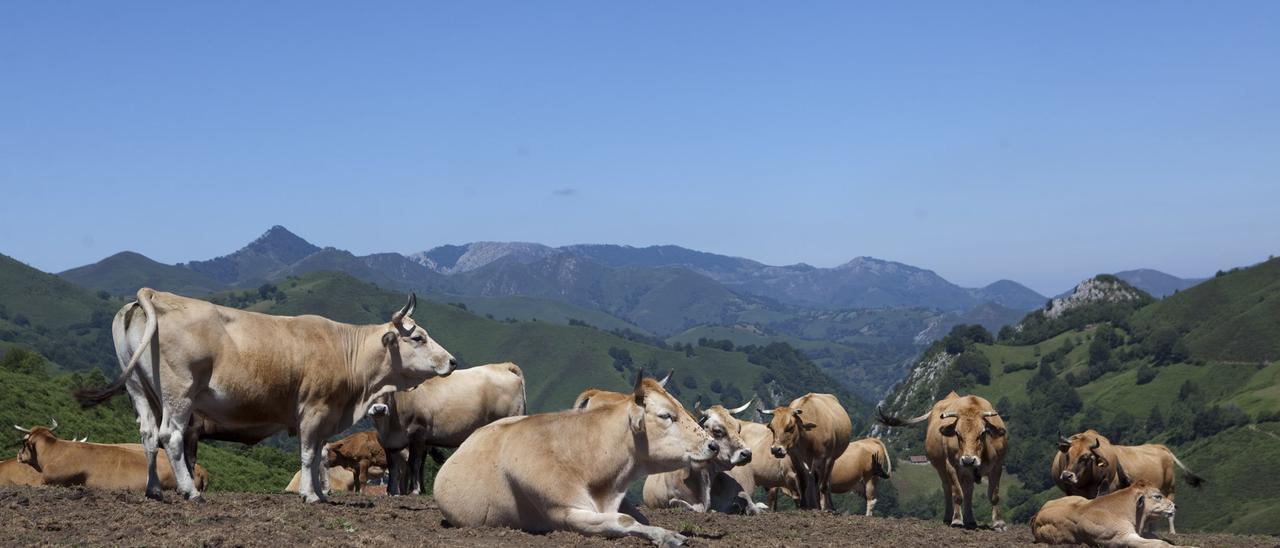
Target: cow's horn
<point>1096,444</point>
<point>55,424</point>
<point>990,414</point>
<point>765,412</point>
<point>741,408</point>
<point>663,382</point>
<point>407,310</point>
<point>697,404</point>
<point>1062,440</point>
<point>21,429</point>
<point>947,414</point>
<point>638,392</point>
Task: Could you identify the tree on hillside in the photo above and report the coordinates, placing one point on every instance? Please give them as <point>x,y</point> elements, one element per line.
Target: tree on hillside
<point>1099,351</point>
<point>1165,346</point>
<point>1155,422</point>
<point>1123,428</point>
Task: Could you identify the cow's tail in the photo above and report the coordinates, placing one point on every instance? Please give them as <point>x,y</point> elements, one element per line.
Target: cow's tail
<point>885,461</point>
<point>890,420</point>
<point>1187,475</point>
<point>89,397</point>
<point>524,394</point>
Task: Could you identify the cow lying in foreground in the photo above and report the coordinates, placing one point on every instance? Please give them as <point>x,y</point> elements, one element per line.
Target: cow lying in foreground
<point>813,430</point>
<point>1088,465</point>
<point>96,465</point>
<point>966,441</point>
<point>250,372</point>
<point>442,412</point>
<point>860,468</point>
<point>18,474</point>
<point>358,452</point>
<point>699,486</point>
<point>1109,520</point>
<point>570,470</point>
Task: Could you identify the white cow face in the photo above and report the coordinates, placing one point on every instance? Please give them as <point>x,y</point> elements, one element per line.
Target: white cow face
<point>726,430</point>
<point>673,435</point>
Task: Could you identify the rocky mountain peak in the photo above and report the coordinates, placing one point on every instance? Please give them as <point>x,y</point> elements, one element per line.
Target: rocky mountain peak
<point>1100,288</point>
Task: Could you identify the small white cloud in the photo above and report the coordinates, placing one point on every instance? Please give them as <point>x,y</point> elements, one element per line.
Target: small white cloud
<point>564,192</point>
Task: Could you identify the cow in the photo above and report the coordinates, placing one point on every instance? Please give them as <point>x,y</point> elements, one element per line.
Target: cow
<point>700,487</point>
<point>14,473</point>
<point>96,465</point>
<point>570,470</point>
<point>340,479</point>
<point>812,431</point>
<point>763,471</point>
<point>861,467</point>
<point>359,452</point>
<point>1088,465</point>
<point>1115,519</point>
<point>244,370</point>
<point>442,412</point>
<point>965,442</point>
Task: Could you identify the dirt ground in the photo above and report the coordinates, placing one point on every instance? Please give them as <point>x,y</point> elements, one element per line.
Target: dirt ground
<point>52,515</point>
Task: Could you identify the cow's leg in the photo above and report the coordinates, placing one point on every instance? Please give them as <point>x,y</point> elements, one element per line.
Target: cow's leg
<point>362,474</point>
<point>630,509</point>
<point>822,471</point>
<point>393,471</point>
<point>966,507</point>
<point>177,415</point>
<point>312,449</point>
<point>869,493</point>
<point>1172,529</point>
<point>993,495</point>
<point>950,495</point>
<point>611,524</point>
<point>149,431</point>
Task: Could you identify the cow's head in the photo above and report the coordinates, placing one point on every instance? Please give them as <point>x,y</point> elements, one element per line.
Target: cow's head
<point>1085,461</point>
<point>417,355</point>
<point>1150,502</point>
<point>971,428</point>
<point>786,425</point>
<point>31,440</point>
<point>726,430</point>
<point>672,436</point>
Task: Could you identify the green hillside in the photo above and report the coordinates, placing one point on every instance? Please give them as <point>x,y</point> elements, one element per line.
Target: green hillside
<point>125,272</point>
<point>28,397</point>
<point>544,310</point>
<point>1158,375</point>
<point>66,323</point>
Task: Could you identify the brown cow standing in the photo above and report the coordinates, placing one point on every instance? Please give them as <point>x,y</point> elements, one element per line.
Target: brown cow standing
<point>860,468</point>
<point>1088,465</point>
<point>966,441</point>
<point>764,471</point>
<point>1116,519</point>
<point>358,452</point>
<point>813,430</point>
<point>96,465</point>
<point>17,474</point>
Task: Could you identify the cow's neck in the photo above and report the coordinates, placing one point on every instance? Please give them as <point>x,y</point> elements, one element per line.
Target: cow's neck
<point>618,459</point>
<point>368,368</point>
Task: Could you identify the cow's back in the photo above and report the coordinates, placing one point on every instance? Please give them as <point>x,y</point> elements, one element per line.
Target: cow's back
<point>1152,463</point>
<point>472,487</point>
<point>445,410</point>
<point>1057,520</point>
<point>834,428</point>
<point>855,465</point>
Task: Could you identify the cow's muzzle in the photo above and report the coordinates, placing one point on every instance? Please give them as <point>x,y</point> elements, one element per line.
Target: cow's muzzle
<point>970,460</point>
<point>1069,477</point>
<point>743,456</point>
<point>778,451</point>
<point>378,410</point>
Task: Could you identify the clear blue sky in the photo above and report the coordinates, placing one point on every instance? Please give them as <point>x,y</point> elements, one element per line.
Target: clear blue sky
<point>1043,142</point>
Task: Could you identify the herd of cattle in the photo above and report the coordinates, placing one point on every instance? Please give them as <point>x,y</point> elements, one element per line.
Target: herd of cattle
<point>195,370</point>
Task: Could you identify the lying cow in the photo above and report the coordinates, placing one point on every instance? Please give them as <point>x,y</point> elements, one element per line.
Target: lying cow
<point>96,465</point>
<point>340,479</point>
<point>358,452</point>
<point>570,470</point>
<point>860,468</point>
<point>14,473</point>
<point>1114,519</point>
<point>244,370</point>
<point>812,431</point>
<point>966,441</point>
<point>442,412</point>
<point>1088,465</point>
<point>700,486</point>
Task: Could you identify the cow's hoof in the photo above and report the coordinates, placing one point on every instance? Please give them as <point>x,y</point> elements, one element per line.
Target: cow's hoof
<point>670,539</point>
<point>155,495</point>
<point>999,526</point>
<point>197,498</point>
<point>957,523</point>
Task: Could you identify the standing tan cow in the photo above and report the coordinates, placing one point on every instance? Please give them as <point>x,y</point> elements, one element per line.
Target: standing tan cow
<point>96,465</point>
<point>570,470</point>
<point>18,474</point>
<point>1112,520</point>
<point>700,486</point>
<point>966,441</point>
<point>442,412</point>
<point>243,370</point>
<point>764,471</point>
<point>359,452</point>
<point>813,430</point>
<point>1088,465</point>
<point>860,468</point>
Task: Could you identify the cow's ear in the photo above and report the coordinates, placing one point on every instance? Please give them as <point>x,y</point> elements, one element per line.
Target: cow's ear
<point>995,431</point>
<point>389,339</point>
<point>636,417</point>
<point>948,430</point>
<point>1064,447</point>
<point>637,393</point>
